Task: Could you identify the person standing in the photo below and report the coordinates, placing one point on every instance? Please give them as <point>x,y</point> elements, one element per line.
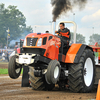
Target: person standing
<point>7,56</point>
<point>3,56</point>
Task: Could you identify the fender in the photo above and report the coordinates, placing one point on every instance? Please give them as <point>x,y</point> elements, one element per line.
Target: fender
<point>74,53</point>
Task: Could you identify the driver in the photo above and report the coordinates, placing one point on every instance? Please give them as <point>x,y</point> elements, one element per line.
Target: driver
<point>64,33</point>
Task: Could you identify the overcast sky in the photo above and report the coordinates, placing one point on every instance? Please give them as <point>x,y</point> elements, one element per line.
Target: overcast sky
<point>39,13</point>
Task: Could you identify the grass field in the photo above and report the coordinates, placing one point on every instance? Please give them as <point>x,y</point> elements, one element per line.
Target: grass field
<point>5,71</point>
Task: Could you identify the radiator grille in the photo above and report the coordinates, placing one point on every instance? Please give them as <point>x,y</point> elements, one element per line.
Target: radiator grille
<point>31,41</point>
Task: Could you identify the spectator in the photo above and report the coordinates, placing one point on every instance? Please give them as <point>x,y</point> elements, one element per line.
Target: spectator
<point>0,53</point>
<point>7,56</point>
<point>5,47</point>
<point>3,56</point>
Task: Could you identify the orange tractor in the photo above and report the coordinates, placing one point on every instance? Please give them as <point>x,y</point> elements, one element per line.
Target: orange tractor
<point>74,67</point>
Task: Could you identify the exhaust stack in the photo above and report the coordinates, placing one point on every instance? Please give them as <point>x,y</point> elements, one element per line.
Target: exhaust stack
<point>53,27</point>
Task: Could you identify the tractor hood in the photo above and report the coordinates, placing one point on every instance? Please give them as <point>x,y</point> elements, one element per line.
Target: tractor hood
<point>36,34</point>
<point>37,40</point>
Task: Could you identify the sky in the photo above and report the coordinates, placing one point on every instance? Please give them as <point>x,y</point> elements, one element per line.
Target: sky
<point>38,14</point>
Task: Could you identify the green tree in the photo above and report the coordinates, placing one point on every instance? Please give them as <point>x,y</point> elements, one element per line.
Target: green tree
<point>94,38</point>
<point>14,19</point>
<point>79,38</point>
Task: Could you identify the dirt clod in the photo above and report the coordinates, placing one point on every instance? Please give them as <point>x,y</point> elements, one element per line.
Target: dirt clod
<point>47,97</point>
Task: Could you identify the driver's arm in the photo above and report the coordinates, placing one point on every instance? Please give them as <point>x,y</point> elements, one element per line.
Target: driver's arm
<point>58,32</point>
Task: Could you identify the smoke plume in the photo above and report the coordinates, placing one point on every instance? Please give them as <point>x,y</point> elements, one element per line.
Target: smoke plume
<point>61,6</point>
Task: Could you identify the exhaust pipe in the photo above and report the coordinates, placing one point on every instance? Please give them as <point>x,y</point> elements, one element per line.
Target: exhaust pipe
<point>53,27</point>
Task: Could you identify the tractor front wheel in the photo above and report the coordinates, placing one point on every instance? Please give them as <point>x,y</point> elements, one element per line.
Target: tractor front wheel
<point>13,70</point>
<point>53,72</point>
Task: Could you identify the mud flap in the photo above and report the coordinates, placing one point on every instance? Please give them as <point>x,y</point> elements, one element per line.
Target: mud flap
<point>25,77</point>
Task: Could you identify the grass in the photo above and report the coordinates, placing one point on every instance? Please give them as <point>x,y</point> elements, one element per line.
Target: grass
<point>5,71</point>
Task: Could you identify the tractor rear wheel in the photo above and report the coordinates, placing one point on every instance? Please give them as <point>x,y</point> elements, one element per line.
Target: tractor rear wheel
<point>13,70</point>
<point>82,75</point>
<point>38,83</point>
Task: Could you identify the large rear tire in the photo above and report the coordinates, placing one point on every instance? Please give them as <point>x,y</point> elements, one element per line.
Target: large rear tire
<point>82,75</point>
<point>13,70</point>
<point>38,83</point>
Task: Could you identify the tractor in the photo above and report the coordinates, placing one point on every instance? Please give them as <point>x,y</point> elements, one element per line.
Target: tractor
<point>49,64</point>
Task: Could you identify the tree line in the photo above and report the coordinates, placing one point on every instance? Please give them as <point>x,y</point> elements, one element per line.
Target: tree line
<point>13,19</point>
<point>81,39</point>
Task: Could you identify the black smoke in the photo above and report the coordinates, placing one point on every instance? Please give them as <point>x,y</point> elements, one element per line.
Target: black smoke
<point>63,6</point>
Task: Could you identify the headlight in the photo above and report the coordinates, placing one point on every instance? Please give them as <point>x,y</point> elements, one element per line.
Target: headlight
<point>39,43</point>
<point>24,44</point>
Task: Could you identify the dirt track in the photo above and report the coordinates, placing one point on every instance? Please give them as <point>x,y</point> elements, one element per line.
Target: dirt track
<point>3,65</point>
<point>11,89</point>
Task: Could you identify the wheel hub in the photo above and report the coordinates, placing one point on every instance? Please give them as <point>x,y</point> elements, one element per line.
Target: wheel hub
<point>17,70</point>
<point>85,71</point>
<point>88,71</point>
<point>56,72</point>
